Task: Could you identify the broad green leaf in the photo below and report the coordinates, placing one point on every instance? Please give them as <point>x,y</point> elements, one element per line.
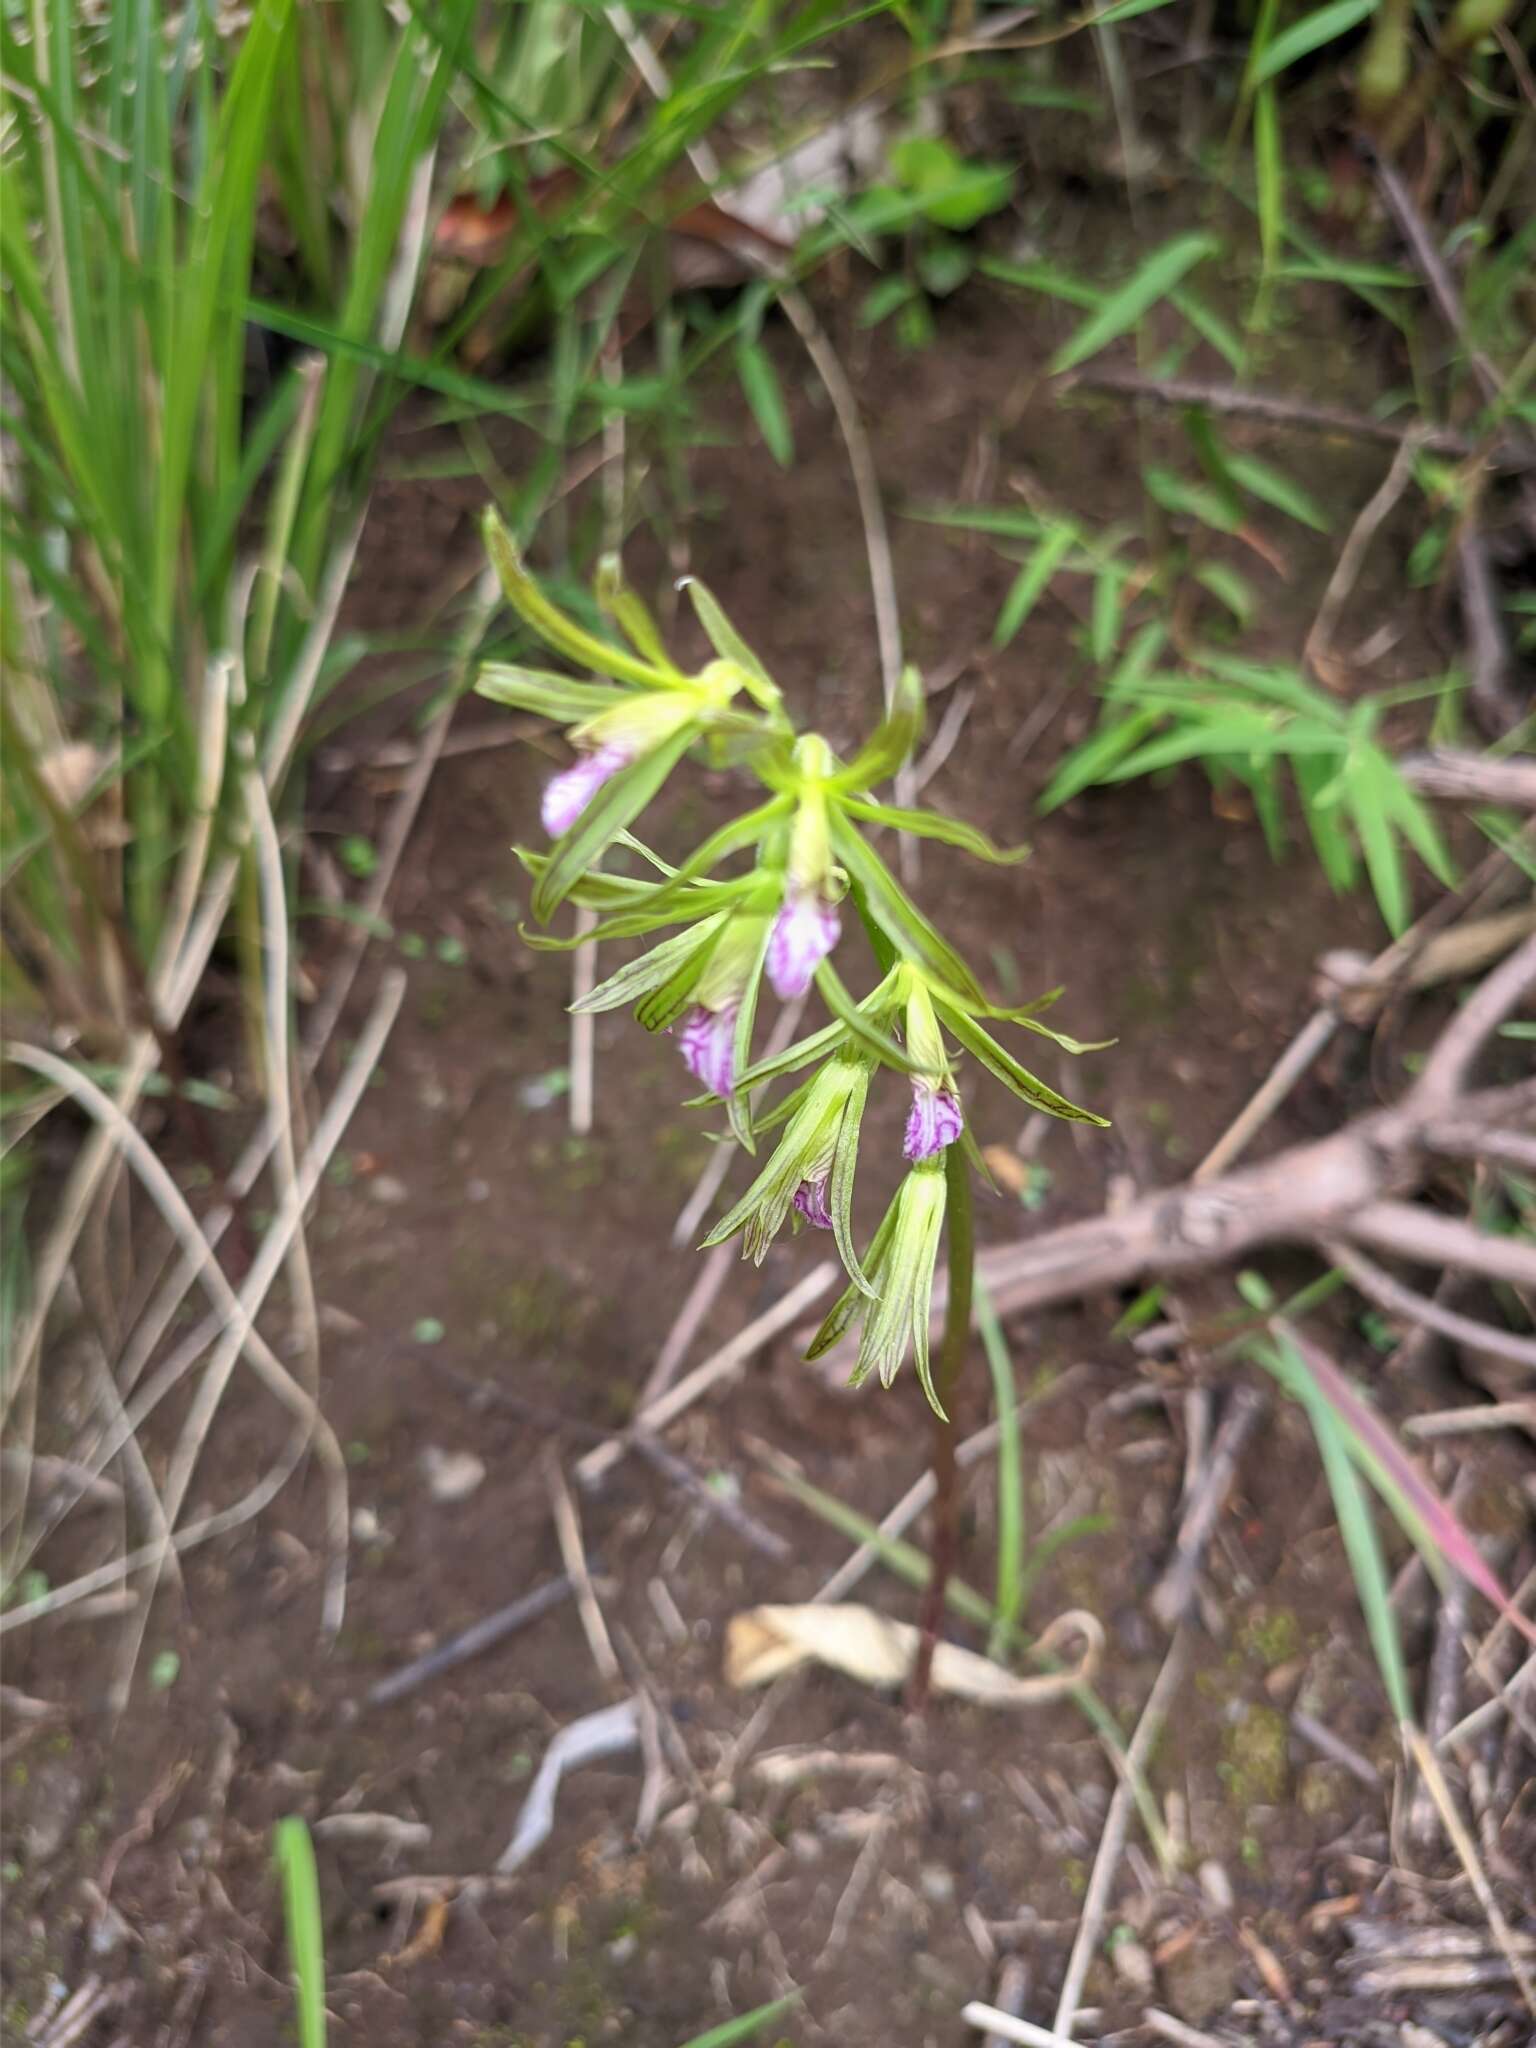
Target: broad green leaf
<point>883,299</point>
<point>1363,796</point>
<point>1228,587</point>
<point>955,193</point>
<point>1104,625</point>
<point>1190,501</point>
<point>731,2033</point>
<point>1031,582</point>
<point>1123,309</point>
<point>1043,277</point>
<point>1326,25</point>
<point>1007,521</point>
<point>1094,760</point>
<point>1278,490</point>
<point>760,382</point>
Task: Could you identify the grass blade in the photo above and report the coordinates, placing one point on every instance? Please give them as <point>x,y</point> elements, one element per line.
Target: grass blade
<point>1009,1603</point>
<point>1122,310</point>
<point>295,1855</point>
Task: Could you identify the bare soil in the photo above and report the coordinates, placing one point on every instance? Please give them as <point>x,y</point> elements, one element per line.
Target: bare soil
<point>547,1262</point>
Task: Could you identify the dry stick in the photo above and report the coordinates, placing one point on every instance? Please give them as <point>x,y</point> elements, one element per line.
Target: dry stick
<point>1431,267</point>
<point>1480,1717</point>
<point>1303,1049</point>
<point>1316,652</point>
<point>1167,2028</point>
<point>1392,1295</point>
<point>1450,1060</point>
<point>1431,1240</point>
<point>1470,1421</point>
<point>1325,1188</point>
<point>1002,2026</point>
<point>1466,1852</point>
<point>1012,1990</point>
<point>1323,1738</point>
<point>1283,411</point>
<point>960,1254</point>
<point>573,1553</point>
<point>469,1642</point>
<point>1116,1823</point>
<point>877,540</point>
<point>1463,777</point>
<point>1491,693</point>
<point>397,832</point>
<point>865,1869</point>
<point>1444,1686</point>
<point>196,1251</point>
<point>238,1312</point>
<point>1174,1594</point>
<point>584,959</point>
<point>583,1024</point>
<point>178,974</point>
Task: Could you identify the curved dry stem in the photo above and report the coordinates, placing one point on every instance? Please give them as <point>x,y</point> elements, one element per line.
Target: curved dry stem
<point>237,1313</point>
<point>1392,1295</point>
<point>1491,1003</point>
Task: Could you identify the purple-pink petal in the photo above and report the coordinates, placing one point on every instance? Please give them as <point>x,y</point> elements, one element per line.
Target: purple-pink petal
<point>935,1120</point>
<point>567,795</point>
<point>811,1201</point>
<point>804,933</point>
<point>707,1041</point>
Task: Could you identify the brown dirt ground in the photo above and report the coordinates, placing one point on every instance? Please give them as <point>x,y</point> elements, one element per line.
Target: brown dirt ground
<point>548,1264</point>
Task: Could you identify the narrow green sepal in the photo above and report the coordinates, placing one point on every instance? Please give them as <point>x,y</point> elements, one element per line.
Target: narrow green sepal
<point>934,825</point>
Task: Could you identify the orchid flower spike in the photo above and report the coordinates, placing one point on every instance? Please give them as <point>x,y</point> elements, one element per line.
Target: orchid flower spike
<point>807,926</point>
<point>899,1268</point>
<point>811,1169</point>
<point>640,724</point>
<point>935,1119</point>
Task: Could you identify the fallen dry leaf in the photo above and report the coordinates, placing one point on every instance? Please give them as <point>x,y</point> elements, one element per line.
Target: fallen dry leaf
<point>765,1642</point>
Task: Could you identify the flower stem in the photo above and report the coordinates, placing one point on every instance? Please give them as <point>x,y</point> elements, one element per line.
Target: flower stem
<point>946,1491</point>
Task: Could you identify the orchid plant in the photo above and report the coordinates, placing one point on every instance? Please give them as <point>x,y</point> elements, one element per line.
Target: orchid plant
<point>802,854</point>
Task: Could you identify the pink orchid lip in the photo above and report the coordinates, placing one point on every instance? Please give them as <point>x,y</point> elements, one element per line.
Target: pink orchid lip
<point>934,1122</point>
<point>707,1041</point>
<point>567,794</point>
<point>804,933</point>
<point>811,1201</point>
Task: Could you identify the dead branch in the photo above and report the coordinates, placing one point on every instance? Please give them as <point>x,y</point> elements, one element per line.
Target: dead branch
<point>1391,1295</point>
<point>1279,409</point>
<point>1460,776</point>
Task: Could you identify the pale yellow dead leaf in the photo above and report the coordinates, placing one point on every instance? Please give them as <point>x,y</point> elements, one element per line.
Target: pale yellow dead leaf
<point>765,1642</point>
